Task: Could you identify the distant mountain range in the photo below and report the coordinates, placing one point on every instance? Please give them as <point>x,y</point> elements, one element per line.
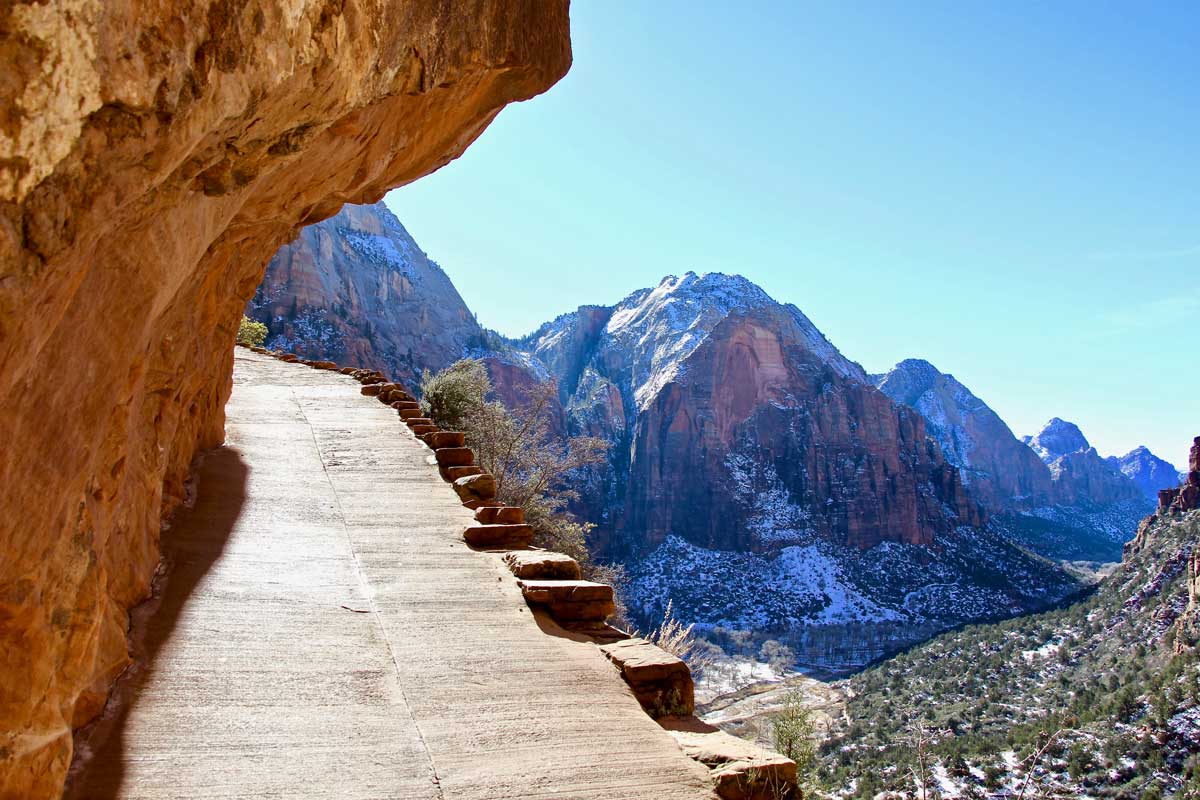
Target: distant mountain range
<point>757,477</point>
<point>1147,470</point>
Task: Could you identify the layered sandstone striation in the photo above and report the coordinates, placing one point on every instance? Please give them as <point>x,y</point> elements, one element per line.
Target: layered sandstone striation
<point>152,159</point>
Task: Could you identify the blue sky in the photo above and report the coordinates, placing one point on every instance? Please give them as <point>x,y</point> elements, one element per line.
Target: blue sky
<point>1009,190</point>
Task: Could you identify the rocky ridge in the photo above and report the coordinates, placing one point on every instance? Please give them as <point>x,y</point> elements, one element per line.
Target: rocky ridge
<point>155,158</point>
<point>1147,470</point>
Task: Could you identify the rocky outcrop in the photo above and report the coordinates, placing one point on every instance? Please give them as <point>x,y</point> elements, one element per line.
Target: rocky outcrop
<point>997,468</point>
<point>152,159</point>
<point>740,770</point>
<point>1185,497</point>
<point>1173,504</point>
<point>661,682</point>
<point>357,289</point>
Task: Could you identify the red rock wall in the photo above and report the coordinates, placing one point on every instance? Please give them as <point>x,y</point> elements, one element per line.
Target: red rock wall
<point>153,156</point>
<point>1185,497</point>
<point>841,448</point>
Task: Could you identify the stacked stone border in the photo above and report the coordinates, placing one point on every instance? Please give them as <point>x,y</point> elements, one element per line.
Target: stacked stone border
<point>552,586</point>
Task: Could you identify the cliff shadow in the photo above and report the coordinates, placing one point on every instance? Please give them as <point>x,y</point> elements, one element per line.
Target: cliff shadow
<point>195,541</point>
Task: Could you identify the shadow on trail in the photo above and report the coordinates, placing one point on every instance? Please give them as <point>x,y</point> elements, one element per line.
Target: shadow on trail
<point>194,543</point>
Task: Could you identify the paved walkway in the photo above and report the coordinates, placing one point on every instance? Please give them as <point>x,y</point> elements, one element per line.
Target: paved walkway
<point>324,633</point>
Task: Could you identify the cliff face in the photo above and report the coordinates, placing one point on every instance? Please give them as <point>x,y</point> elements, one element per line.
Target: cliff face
<point>152,159</point>
<point>356,289</point>
<point>758,479</point>
<point>998,469</point>
<point>754,409</point>
<point>699,377</point>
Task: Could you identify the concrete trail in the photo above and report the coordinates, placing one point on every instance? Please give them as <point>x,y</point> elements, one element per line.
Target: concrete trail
<point>323,632</point>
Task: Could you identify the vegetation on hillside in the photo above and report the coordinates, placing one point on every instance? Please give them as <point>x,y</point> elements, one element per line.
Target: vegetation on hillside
<point>794,734</point>
<point>1099,699</point>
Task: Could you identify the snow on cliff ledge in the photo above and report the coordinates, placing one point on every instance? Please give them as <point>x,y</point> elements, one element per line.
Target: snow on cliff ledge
<point>661,326</point>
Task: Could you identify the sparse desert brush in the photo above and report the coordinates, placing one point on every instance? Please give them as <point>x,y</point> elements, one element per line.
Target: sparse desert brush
<point>251,333</point>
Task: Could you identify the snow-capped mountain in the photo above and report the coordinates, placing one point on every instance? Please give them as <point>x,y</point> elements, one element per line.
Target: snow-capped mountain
<point>1056,439</point>
<point>1081,475</point>
<point>1147,470</point>
<point>357,289</point>
<point>1051,492</point>
<point>759,480</point>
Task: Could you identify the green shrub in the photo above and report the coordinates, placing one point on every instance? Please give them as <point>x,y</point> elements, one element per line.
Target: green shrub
<point>456,395</point>
<point>795,736</point>
<point>251,333</point>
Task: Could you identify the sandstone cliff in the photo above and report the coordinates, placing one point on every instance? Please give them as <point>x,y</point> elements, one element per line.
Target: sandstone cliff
<point>356,289</point>
<point>760,480</point>
<point>998,469</point>
<point>152,159</point>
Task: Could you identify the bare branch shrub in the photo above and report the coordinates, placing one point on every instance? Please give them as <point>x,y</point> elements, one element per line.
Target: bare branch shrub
<point>532,466</point>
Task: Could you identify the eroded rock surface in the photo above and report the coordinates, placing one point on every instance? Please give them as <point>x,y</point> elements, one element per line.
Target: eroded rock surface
<point>152,159</point>
<point>661,681</point>
<point>356,288</point>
